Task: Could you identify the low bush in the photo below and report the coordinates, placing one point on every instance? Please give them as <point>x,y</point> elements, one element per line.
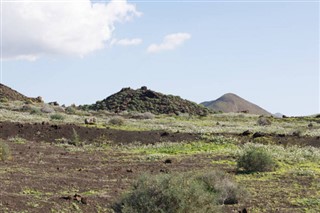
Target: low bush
<point>5,153</point>
<point>255,159</point>
<point>177,193</point>
<point>70,110</point>
<point>117,120</point>
<point>57,117</point>
<point>35,111</point>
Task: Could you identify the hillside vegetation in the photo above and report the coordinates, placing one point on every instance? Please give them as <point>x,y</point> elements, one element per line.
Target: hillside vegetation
<point>145,100</point>
<point>8,94</point>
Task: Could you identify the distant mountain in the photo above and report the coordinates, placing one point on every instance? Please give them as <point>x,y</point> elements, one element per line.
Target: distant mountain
<point>233,103</point>
<point>8,94</point>
<point>145,100</point>
<point>278,115</point>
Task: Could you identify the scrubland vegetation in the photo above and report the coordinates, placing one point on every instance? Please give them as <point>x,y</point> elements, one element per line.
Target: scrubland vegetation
<point>237,161</point>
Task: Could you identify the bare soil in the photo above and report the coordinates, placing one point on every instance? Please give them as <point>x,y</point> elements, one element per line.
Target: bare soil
<point>51,132</point>
<point>52,177</point>
<point>43,177</point>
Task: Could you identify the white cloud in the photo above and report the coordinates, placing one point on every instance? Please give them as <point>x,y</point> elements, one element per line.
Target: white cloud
<point>170,42</point>
<point>35,28</point>
<point>126,42</point>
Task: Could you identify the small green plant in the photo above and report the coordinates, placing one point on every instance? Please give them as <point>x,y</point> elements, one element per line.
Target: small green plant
<point>17,140</point>
<point>57,117</point>
<point>35,111</point>
<point>4,100</point>
<point>75,139</point>
<point>117,120</point>
<point>5,153</point>
<point>178,193</point>
<point>255,159</point>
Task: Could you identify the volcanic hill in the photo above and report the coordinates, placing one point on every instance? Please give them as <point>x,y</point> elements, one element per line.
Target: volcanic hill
<point>232,103</point>
<point>8,94</point>
<point>145,100</point>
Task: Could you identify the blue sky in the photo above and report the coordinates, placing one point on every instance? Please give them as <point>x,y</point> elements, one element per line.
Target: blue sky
<point>266,52</point>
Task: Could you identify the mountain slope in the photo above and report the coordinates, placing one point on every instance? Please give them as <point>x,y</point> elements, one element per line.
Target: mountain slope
<point>145,100</point>
<point>232,103</point>
<point>8,94</point>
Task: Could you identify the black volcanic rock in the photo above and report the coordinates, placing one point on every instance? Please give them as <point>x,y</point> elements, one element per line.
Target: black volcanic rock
<point>145,100</point>
<point>233,103</point>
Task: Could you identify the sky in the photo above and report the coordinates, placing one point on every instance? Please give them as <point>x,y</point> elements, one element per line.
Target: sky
<point>81,51</point>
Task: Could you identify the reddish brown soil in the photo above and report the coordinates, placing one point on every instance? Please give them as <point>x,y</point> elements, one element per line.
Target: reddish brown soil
<point>56,173</point>
<point>51,132</point>
<point>44,177</point>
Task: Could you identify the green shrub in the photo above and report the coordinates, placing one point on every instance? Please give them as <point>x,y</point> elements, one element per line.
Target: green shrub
<point>70,110</point>
<point>57,117</point>
<point>117,120</point>
<point>35,111</point>
<point>5,153</point>
<point>178,193</point>
<point>255,159</point>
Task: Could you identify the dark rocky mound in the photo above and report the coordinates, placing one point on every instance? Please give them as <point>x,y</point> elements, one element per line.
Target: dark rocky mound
<point>233,103</point>
<point>8,94</point>
<point>145,100</point>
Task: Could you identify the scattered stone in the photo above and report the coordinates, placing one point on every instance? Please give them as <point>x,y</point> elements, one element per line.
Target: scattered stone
<point>168,161</point>
<point>90,121</point>
<point>165,134</point>
<point>66,197</point>
<point>77,197</point>
<point>258,134</point>
<point>54,103</point>
<point>246,133</point>
<point>84,200</point>
<point>164,171</point>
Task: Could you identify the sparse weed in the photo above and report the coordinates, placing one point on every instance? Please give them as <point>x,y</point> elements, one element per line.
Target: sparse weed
<point>17,140</point>
<point>75,139</point>
<point>5,153</point>
<point>145,115</point>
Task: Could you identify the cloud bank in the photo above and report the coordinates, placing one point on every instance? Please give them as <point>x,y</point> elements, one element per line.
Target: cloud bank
<point>126,42</point>
<point>170,42</point>
<point>34,29</point>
